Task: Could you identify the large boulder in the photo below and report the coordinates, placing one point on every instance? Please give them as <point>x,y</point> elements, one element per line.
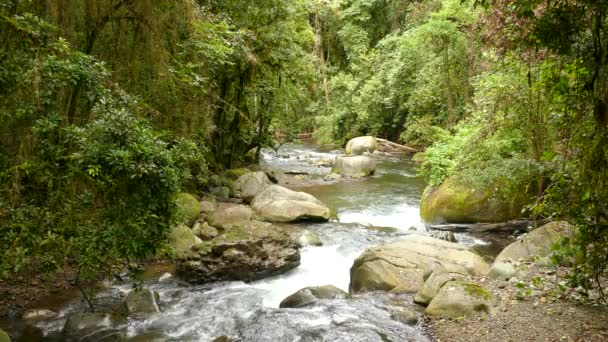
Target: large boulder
<point>227,215</point>
<point>537,243</point>
<point>460,299</point>
<point>279,204</point>
<point>355,166</point>
<point>453,202</point>
<point>189,207</point>
<point>404,265</point>
<point>247,252</point>
<point>183,241</point>
<point>141,302</point>
<point>311,294</point>
<point>250,184</point>
<point>360,145</point>
<point>433,284</point>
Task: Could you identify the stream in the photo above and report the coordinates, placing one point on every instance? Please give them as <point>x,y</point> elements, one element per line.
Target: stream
<point>373,211</point>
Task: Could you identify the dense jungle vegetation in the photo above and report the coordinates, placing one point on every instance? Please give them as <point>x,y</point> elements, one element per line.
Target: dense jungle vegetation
<point>109,108</point>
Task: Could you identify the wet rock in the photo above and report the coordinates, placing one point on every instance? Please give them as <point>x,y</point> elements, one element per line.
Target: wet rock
<point>250,184</point>
<point>325,162</point>
<point>356,166</point>
<point>227,215</point>
<point>447,236</point>
<point>4,336</point>
<point>402,266</point>
<point>247,252</point>
<point>501,270</point>
<point>142,301</point>
<point>183,241</point>
<point>189,207</point>
<point>537,243</point>
<point>433,284</point>
<point>405,315</point>
<point>308,238</point>
<point>460,299</point>
<point>86,326</point>
<point>204,231</point>
<point>359,145</point>
<point>165,276</point>
<point>452,202</point>
<point>275,176</point>
<point>279,204</point>
<point>311,294</point>
<point>223,338</point>
<point>150,337</point>
<point>38,315</point>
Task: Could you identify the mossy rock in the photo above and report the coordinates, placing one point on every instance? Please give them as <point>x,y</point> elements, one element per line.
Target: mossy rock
<point>453,202</point>
<point>189,206</point>
<point>4,336</point>
<point>418,158</point>
<point>183,241</point>
<point>458,299</point>
<point>234,174</point>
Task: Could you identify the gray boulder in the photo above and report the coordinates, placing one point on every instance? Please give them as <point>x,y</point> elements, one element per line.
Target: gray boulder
<point>402,266</point>
<point>247,252</point>
<point>279,204</point>
<point>38,315</point>
<point>250,184</point>
<point>183,241</point>
<point>204,231</point>
<point>142,301</point>
<point>358,146</point>
<point>228,215</point>
<point>460,299</point>
<point>537,243</point>
<point>501,270</point>
<point>433,284</point>
<point>311,294</point>
<point>356,166</point>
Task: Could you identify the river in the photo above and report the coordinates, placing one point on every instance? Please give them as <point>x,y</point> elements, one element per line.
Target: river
<point>376,210</point>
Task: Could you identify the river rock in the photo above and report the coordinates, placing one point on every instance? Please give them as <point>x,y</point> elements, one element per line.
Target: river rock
<point>204,231</point>
<point>221,192</point>
<point>87,326</point>
<point>443,235</point>
<point>152,336</point>
<point>311,294</point>
<point>189,207</point>
<point>359,145</point>
<point>402,266</point>
<point>227,215</point>
<point>247,252</point>
<point>279,204</point>
<point>460,299</point>
<point>4,336</point>
<point>405,315</point>
<point>355,166</point>
<point>501,270</point>
<point>433,284</point>
<point>250,184</point>
<point>38,315</point>
<point>537,243</point>
<point>308,238</point>
<point>183,241</point>
<point>142,301</point>
<point>452,202</point>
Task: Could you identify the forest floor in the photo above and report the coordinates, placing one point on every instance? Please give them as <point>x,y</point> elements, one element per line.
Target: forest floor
<point>540,308</point>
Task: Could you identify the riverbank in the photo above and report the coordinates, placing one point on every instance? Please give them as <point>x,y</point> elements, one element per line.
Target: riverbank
<point>535,306</point>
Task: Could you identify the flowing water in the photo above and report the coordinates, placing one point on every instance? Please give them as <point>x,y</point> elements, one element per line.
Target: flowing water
<point>376,210</point>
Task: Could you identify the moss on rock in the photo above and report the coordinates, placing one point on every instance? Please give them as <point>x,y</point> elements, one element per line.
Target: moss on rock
<point>189,207</point>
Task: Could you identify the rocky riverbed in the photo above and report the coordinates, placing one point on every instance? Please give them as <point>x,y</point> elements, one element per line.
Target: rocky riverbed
<point>300,249</point>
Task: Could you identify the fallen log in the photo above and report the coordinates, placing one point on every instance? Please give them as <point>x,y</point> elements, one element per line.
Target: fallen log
<point>396,146</point>
<point>504,227</point>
